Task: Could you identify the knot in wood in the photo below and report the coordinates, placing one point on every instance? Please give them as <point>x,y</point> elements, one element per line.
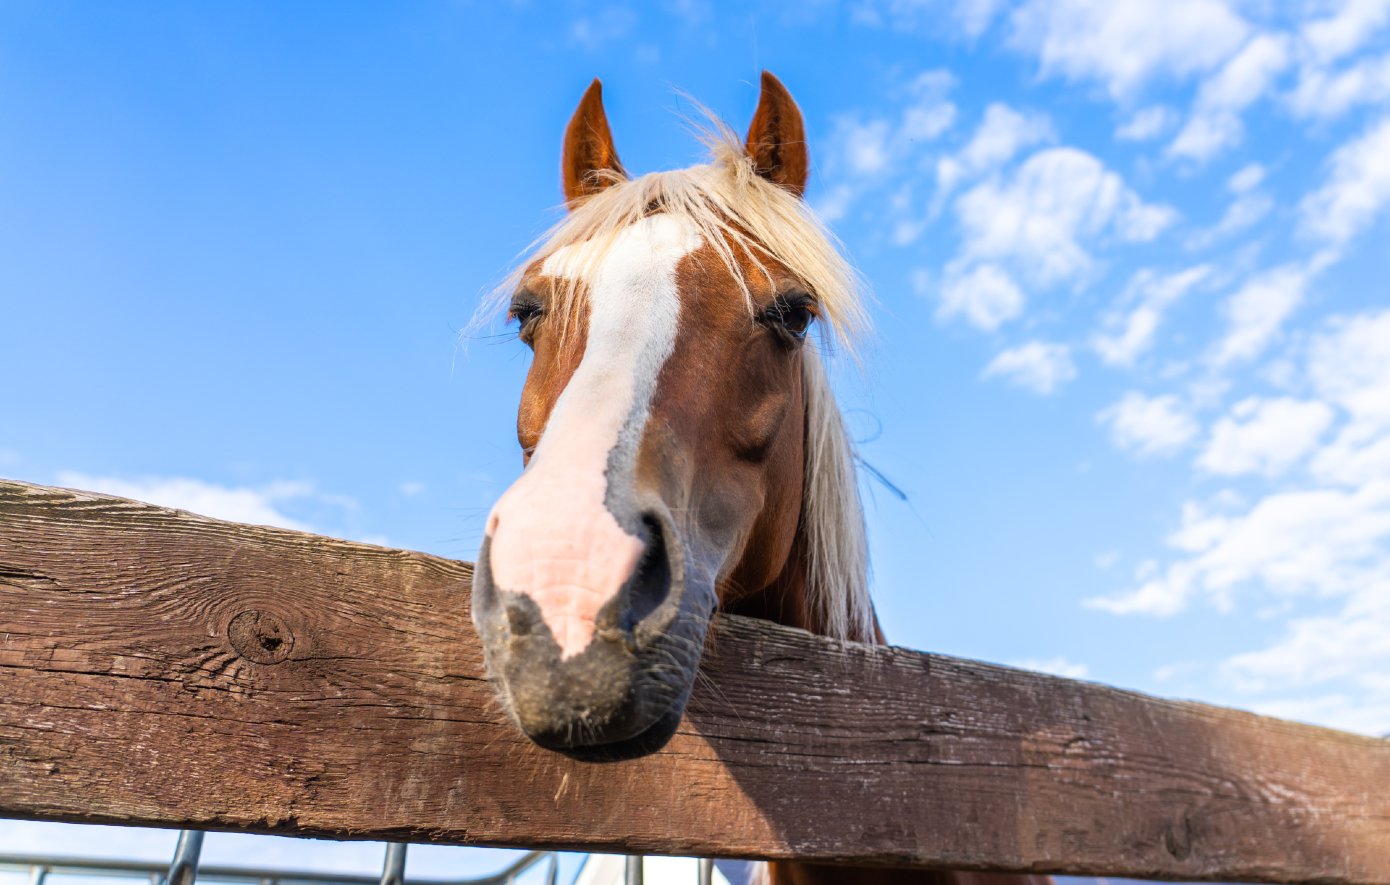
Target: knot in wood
<point>260,637</point>
<point>1178,839</point>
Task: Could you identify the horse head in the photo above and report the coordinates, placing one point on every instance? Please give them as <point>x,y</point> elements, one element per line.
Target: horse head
<point>683,451</point>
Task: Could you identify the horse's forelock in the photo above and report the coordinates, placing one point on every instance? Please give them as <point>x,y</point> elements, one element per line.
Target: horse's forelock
<point>739,213</point>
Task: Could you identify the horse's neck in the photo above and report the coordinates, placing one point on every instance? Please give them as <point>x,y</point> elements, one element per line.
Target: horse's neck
<point>787,600</point>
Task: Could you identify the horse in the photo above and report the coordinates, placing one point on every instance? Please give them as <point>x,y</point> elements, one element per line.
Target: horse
<point>683,449</point>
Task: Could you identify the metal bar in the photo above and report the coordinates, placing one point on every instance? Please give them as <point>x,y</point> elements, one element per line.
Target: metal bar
<point>393,869</point>
<point>706,871</point>
<point>634,870</point>
<point>184,869</point>
<point>37,873</point>
<point>154,870</point>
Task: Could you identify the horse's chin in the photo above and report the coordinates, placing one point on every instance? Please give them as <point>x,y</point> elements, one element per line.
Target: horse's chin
<point>643,744</point>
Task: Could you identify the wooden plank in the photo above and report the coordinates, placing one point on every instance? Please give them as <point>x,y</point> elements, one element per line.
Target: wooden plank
<point>162,669</point>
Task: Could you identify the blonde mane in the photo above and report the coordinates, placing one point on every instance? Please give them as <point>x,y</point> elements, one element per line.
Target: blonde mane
<point>737,211</point>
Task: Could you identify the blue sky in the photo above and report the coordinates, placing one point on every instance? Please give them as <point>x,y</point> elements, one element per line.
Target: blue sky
<point>1132,364</point>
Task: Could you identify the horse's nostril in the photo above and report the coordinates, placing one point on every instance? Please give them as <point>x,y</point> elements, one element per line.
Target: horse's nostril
<point>518,622</point>
<point>651,581</point>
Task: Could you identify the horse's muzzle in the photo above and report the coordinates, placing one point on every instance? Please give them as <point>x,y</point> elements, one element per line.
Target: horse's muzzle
<point>623,695</point>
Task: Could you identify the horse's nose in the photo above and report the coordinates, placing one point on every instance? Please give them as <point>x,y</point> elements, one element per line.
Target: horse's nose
<point>635,669</point>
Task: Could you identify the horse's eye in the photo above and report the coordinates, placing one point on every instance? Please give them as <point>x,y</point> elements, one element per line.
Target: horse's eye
<point>790,315</point>
<point>525,311</point>
<point>797,319</point>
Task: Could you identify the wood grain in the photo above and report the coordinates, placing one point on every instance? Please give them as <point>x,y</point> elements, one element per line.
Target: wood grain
<point>163,669</point>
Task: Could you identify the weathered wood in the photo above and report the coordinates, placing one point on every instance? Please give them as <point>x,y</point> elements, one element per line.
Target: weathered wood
<point>162,669</point>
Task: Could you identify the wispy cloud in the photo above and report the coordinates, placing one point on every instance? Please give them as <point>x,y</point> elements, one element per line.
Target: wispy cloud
<point>257,506</point>
<point>1058,666</point>
<point>1000,136</point>
<point>1249,205</point>
<point>593,32</point>
<point>1039,217</point>
<point>985,295</point>
<point>866,150</point>
<point>1357,188</point>
<point>1321,531</point>
<point>1131,324</point>
<point>1265,436</point>
<point>1039,366</point>
<point>1151,122</point>
<point>1159,425</point>
<point>1256,313</point>
<point>1215,123</point>
<point>1124,46</point>
<point>1327,91</point>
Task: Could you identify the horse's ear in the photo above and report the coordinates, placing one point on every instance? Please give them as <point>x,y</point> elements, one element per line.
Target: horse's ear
<point>589,154</point>
<point>777,138</point>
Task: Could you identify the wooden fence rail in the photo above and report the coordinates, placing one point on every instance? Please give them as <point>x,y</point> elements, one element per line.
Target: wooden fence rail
<point>163,669</point>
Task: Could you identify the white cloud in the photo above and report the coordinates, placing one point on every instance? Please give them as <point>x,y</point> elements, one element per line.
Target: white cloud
<point>1037,366</point>
<point>9,457</point>
<point>866,153</point>
<point>1129,333</point>
<point>1245,210</point>
<point>865,146</point>
<point>1331,540</point>
<point>1258,309</point>
<point>1001,134</point>
<point>1289,543</point>
<point>1215,123</point>
<point>595,32</point>
<point>1265,436</point>
<point>1159,598</point>
<point>1249,177</point>
<point>836,202</point>
<point>411,488</point>
<point>930,113</point>
<point>986,296</point>
<point>1367,712</point>
<point>1124,45</point>
<point>972,17</point>
<point>1148,123</point>
<point>1346,30</point>
<point>1038,216</point>
<point>1351,642</point>
<point>874,147</point>
<point>254,506</point>
<point>975,15</point>
<point>1249,206</point>
<point>1322,534</point>
<point>1327,95</point>
<point>1350,366</point>
<point>1058,666</point>
<point>1159,425</point>
<point>1357,188</point>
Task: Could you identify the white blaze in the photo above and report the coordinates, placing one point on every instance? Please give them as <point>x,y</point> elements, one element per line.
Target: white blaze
<point>553,537</point>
